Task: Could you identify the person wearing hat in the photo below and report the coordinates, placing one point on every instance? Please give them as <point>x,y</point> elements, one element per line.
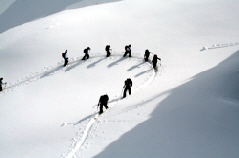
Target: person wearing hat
<point>103,102</point>
<point>127,50</point>
<point>127,87</point>
<point>65,56</point>
<point>107,49</point>
<point>146,55</point>
<point>155,58</point>
<point>86,51</point>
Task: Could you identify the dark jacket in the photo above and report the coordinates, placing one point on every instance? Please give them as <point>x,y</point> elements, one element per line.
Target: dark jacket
<point>147,53</point>
<point>155,58</point>
<point>64,55</point>
<point>86,50</point>
<point>107,48</point>
<point>127,48</point>
<point>128,83</point>
<point>104,99</point>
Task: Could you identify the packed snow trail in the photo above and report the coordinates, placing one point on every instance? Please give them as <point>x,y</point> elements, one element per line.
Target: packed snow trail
<point>216,46</point>
<point>73,63</point>
<point>78,143</point>
<point>51,70</point>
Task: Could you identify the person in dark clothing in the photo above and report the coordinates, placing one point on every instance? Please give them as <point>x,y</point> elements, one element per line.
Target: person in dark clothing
<point>103,102</point>
<point>155,58</point>
<point>127,50</point>
<point>65,56</point>
<point>130,82</point>
<point>1,83</point>
<point>107,49</point>
<point>127,87</point>
<point>86,51</point>
<point>146,55</point>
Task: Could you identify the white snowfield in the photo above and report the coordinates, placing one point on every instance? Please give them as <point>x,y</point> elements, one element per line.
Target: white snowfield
<point>189,108</point>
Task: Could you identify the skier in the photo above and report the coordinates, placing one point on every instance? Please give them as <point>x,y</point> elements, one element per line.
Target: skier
<point>127,87</point>
<point>103,102</point>
<point>146,55</point>
<point>65,56</point>
<point>127,50</point>
<point>1,83</point>
<point>155,58</point>
<point>86,51</point>
<point>107,49</point>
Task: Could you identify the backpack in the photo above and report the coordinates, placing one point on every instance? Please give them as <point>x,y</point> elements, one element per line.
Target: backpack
<point>85,50</point>
<point>126,48</point>
<point>107,48</point>
<point>130,82</point>
<point>104,98</point>
<point>63,55</point>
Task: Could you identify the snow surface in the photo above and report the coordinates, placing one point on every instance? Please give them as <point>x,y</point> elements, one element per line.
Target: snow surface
<point>188,108</point>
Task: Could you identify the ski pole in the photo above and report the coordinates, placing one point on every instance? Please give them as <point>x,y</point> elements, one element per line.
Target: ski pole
<point>122,91</point>
<point>97,108</point>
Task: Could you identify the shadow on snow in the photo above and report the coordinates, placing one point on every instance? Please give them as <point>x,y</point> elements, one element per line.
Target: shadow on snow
<point>20,12</point>
<point>197,119</point>
<point>116,62</point>
<point>94,63</point>
<point>73,63</point>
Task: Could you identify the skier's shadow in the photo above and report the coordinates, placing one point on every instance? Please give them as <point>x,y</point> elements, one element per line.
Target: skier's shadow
<point>141,73</point>
<point>50,72</point>
<point>77,63</point>
<point>116,62</point>
<point>94,63</point>
<point>135,66</point>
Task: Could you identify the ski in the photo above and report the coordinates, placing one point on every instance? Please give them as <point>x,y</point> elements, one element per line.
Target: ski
<point>98,114</point>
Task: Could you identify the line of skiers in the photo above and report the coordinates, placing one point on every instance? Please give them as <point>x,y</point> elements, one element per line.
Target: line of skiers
<point>155,58</point>
<point>108,53</point>
<point>103,101</point>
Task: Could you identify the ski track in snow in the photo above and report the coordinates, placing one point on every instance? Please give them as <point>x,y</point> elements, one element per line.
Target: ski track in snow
<point>91,124</point>
<point>79,142</point>
<point>51,70</point>
<point>216,46</point>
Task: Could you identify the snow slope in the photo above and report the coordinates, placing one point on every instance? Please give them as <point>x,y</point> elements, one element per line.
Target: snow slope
<point>189,108</point>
